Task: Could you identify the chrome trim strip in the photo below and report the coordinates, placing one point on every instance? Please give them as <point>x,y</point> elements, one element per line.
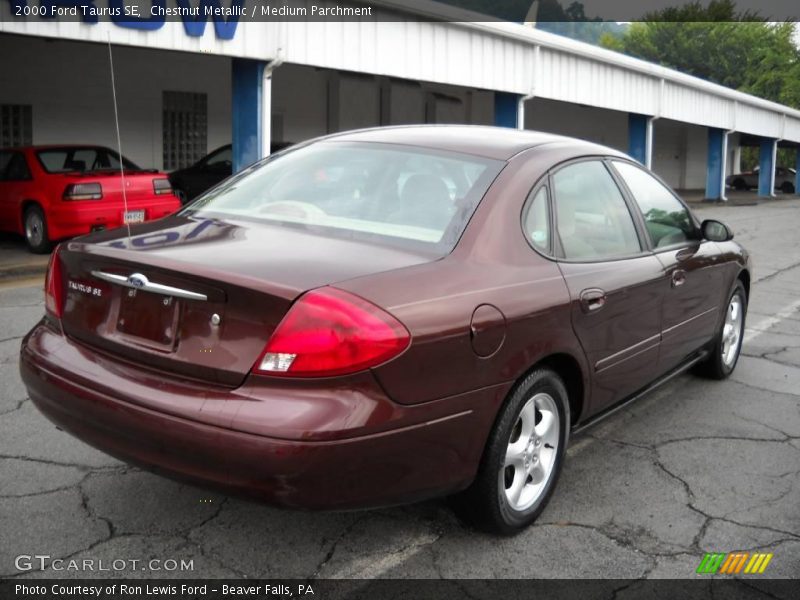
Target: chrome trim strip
<point>148,286</point>
<point>609,361</point>
<point>670,330</point>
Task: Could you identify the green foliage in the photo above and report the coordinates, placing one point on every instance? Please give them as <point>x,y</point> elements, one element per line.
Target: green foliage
<point>716,43</point>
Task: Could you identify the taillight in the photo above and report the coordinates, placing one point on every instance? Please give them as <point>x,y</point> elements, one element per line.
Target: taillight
<point>53,286</point>
<point>162,186</point>
<point>83,191</point>
<point>331,332</point>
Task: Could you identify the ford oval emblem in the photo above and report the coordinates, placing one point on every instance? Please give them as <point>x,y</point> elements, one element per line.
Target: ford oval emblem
<point>137,280</point>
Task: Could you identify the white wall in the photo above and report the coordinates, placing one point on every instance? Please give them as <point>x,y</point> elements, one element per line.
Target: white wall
<point>69,86</point>
<point>606,127</point>
<point>680,154</point>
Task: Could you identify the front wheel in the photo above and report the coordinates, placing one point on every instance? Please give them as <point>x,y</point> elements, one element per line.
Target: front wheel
<point>36,230</point>
<point>523,457</point>
<point>728,343</point>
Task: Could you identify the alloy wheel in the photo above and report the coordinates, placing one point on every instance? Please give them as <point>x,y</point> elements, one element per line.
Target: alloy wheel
<point>531,452</point>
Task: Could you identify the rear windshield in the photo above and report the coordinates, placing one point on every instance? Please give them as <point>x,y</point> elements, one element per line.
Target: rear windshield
<point>68,160</point>
<point>392,192</point>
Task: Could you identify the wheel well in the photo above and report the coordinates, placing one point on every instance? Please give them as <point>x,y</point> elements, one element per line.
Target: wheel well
<point>744,277</point>
<point>570,371</point>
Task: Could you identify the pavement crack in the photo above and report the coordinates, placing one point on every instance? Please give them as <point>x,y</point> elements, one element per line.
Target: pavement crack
<point>332,550</point>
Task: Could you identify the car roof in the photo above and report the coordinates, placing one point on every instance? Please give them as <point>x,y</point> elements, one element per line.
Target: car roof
<point>500,143</point>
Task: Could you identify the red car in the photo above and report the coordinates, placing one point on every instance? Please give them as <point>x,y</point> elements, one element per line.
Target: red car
<point>387,315</point>
<point>48,193</point>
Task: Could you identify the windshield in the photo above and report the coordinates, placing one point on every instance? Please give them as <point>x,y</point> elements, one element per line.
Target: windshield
<point>398,193</point>
<point>66,160</point>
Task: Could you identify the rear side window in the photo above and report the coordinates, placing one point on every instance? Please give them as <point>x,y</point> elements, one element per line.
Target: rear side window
<point>667,220</point>
<point>536,221</point>
<point>13,167</point>
<point>592,218</point>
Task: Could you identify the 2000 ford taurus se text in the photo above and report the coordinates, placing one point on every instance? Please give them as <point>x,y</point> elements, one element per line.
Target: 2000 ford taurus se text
<point>387,315</point>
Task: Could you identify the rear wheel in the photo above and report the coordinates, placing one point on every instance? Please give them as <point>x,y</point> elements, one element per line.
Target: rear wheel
<point>728,343</point>
<point>523,457</point>
<point>787,187</point>
<point>36,230</point>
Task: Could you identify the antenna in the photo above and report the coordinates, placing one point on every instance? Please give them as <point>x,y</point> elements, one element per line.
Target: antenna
<point>119,138</point>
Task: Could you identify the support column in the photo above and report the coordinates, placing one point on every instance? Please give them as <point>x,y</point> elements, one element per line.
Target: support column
<point>797,171</point>
<point>715,164</point>
<point>640,138</point>
<point>767,153</point>
<point>247,108</point>
<point>505,109</point>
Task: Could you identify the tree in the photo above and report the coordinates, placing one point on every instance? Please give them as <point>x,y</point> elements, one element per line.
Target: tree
<point>716,43</point>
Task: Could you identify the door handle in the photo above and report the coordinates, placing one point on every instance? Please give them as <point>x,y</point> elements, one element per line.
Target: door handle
<point>592,300</point>
<point>678,277</point>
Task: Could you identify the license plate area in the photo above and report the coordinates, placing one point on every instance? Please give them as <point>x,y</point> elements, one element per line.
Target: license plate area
<point>148,319</point>
<point>133,216</point>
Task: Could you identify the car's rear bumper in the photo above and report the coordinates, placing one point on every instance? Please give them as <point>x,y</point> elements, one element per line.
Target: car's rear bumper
<point>70,219</point>
<point>414,459</point>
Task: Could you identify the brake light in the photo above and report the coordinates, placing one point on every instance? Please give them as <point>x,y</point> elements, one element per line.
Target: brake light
<point>53,286</point>
<point>83,191</point>
<point>162,186</point>
<point>331,332</point>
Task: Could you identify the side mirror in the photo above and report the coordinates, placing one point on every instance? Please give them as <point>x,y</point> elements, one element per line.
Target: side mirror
<point>716,231</point>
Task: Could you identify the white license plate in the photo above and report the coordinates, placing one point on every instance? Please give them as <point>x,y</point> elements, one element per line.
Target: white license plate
<point>133,216</point>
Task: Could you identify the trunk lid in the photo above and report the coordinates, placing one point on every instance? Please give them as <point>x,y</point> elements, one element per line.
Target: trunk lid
<point>227,286</point>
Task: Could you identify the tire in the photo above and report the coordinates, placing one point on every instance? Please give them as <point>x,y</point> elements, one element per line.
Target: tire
<point>35,230</point>
<point>727,344</point>
<point>739,184</point>
<point>787,187</point>
<point>489,502</point>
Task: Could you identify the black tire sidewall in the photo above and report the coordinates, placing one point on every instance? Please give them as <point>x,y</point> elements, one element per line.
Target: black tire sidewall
<point>541,380</point>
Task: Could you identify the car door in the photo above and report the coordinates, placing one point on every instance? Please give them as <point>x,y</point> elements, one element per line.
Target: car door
<point>615,284</point>
<point>692,266</point>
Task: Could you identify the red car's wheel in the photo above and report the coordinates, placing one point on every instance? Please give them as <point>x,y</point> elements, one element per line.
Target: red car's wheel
<point>36,230</point>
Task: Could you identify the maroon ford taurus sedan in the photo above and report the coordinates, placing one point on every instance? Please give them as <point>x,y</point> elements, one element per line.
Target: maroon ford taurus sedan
<point>387,315</point>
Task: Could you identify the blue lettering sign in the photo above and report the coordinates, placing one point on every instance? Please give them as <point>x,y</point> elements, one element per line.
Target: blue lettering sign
<point>224,28</point>
<point>124,17</point>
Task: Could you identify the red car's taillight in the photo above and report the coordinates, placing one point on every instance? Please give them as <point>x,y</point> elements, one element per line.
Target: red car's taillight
<point>331,332</point>
<point>162,186</point>
<point>83,191</point>
<point>53,286</point>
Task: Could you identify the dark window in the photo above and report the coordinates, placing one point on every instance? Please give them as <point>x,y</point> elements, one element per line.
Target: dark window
<point>536,221</point>
<point>185,127</point>
<point>667,220</point>
<point>592,218</point>
<point>17,168</point>
<point>65,160</point>
<point>16,125</point>
<point>220,158</point>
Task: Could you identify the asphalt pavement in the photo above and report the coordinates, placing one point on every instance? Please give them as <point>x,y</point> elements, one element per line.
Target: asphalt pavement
<point>697,466</point>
